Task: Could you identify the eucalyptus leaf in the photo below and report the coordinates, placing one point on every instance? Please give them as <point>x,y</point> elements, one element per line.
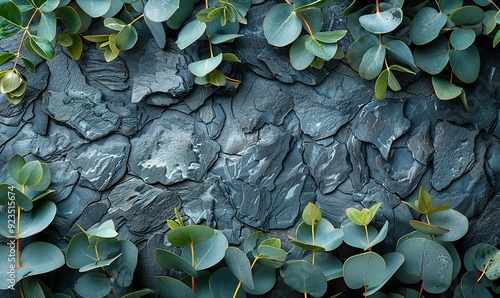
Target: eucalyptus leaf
<point>98,264</point>
<point>14,166</point>
<point>330,36</point>
<point>10,13</point>
<point>160,10</point>
<point>325,51</point>
<point>426,25</point>
<point>466,64</point>
<point>253,241</point>
<point>393,81</point>
<point>190,33</point>
<point>325,235</point>
<point>126,38</point>
<point>221,38</point>
<point>93,284</point>
<point>35,220</point>
<point>206,253</point>
<point>427,228</point>
<point>461,38</point>
<point>372,62</point>
<point>300,57</point>
<point>314,17</point>
<point>282,25</point>
<point>181,14</point>
<point>39,46</point>
<point>432,57</point>
<point>365,269</point>
<point>470,288</point>
<point>239,265</point>
<point>9,82</point>
<point>94,8</point>
<point>264,279</point>
<point>467,15</point>
<point>444,89</point>
<point>76,48</point>
<point>311,214</point>
<point>393,261</point>
<point>454,221</point>
<point>329,264</point>
<point>399,52</point>
<point>203,67</point>
<point>304,277</point>
<point>6,57</point>
<point>382,22</point>
<point>223,284</point>
<point>381,84</point>
<point>79,252</point>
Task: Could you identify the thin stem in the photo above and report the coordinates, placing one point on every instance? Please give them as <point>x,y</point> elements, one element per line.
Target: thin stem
<point>21,289</point>
<point>305,294</point>
<point>193,281</point>
<point>18,54</point>
<point>308,28</point>
<point>237,289</point>
<point>114,292</point>
<point>421,290</point>
<point>136,19</point>
<point>377,7</point>
<point>206,4</point>
<point>367,236</point>
<point>484,271</point>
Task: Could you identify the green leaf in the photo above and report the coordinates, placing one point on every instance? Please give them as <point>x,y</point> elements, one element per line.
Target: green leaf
<point>8,29</point>
<point>126,38</point>
<point>223,284</point>
<point>264,279</point>
<point>32,288</point>
<point>314,17</point>
<point>432,57</point>
<point>382,22</point>
<point>217,78</point>
<point>393,261</point>
<point>230,57</point>
<point>466,64</point>
<point>65,39</point>
<point>325,51</point>
<point>300,57</point>
<point>239,265</point>
<point>467,15</point>
<point>311,214</point>
<point>49,6</point>
<point>325,235</point>
<point>47,26</point>
<point>75,49</point>
<point>203,67</point>
<point>181,14</point>
<point>160,10</point>
<point>30,174</point>
<point>10,81</point>
<point>39,46</point>
<point>282,25</point>
<point>33,221</point>
<point>168,260</point>
<point>306,5</point>
<point>330,36</point>
<point>94,8</point>
<point>6,57</point>
<point>221,38</point>
<point>329,264</point>
<point>428,261</point>
<point>355,235</point>
<point>80,253</point>
<point>483,256</point>
<point>444,89</point>
<point>271,256</point>
<point>172,224</point>
<point>454,221</point>
<point>97,38</point>
<point>424,201</point>
<point>114,24</point>
<point>253,241</point>
<point>393,82</point>
<point>93,284</point>
<point>114,9</point>
<point>124,267</point>
<point>400,53</point>
<point>190,33</point>
<point>426,25</point>
<point>137,294</point>
<point>470,288</point>
<point>99,264</point>
<point>461,38</point>
<point>207,253</point>
<point>304,277</point>
<point>372,62</point>
<point>428,229</point>
<point>496,39</point>
<point>489,21</point>
<point>157,31</point>
<point>365,269</point>
<point>381,85</point>
<point>11,13</point>
<point>15,165</point>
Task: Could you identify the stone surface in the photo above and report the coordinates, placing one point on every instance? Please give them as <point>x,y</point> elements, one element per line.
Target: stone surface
<point>172,148</point>
<point>102,163</point>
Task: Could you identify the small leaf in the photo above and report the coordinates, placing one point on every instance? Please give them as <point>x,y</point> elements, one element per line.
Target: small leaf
<point>230,57</point>
<point>444,89</point>
<point>300,57</point>
<point>239,265</point>
<point>393,82</point>
<point>365,269</point>
<point>330,36</point>
<point>282,26</point>
<point>428,229</point>
<point>6,57</point>
<point>10,81</point>
<point>157,31</point>
<point>126,38</point>
<point>217,78</point>
<point>461,38</point>
<point>311,214</point>
<point>424,201</point>
<point>325,51</point>
<point>40,46</point>
<point>372,62</point>
<point>382,22</point>
<point>190,33</point>
<point>206,253</point>
<point>203,67</point>
<point>466,64</point>
<point>75,49</point>
<point>221,38</point>
<point>381,84</point>
<point>400,53</point>
<point>114,24</point>
<point>97,38</point>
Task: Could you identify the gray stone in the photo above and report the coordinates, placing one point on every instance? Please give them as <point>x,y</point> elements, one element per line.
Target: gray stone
<point>162,74</point>
<point>330,106</point>
<point>231,139</point>
<point>420,143</point>
<point>65,74</point>
<point>373,124</point>
<point>102,163</point>
<point>112,75</point>
<point>212,114</point>
<point>485,228</point>
<point>328,165</point>
<point>359,175</point>
<point>492,165</point>
<point>139,210</point>
<point>171,149</point>
<point>82,109</point>
<point>454,147</point>
<point>64,178</point>
<point>56,143</point>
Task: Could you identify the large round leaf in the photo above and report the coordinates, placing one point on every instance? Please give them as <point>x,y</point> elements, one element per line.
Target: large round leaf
<point>173,288</point>
<point>470,288</point>
<point>206,253</point>
<point>432,57</point>
<point>123,269</point>
<point>187,235</point>
<point>47,25</point>
<point>300,57</point>
<point>399,52</point>
<point>168,260</point>
<point>329,264</point>
<point>253,241</point>
<point>365,269</point>
<point>93,284</point>
<point>264,279</point>
<point>239,265</point>
<point>282,25</point>
<point>320,49</point>
<point>223,284</point>
<point>426,25</point>
<point>355,235</point>
<point>454,221</point>
<point>467,15</point>
<point>382,22</point>
<point>427,261</point>
<point>80,253</point>
<point>160,10</point>
<point>393,261</point>
<point>271,256</point>
<point>466,64</point>
<point>358,48</point>
<point>126,38</point>
<point>461,38</point>
<point>95,8</point>
<point>36,220</point>
<point>304,277</point>
<point>325,235</point>
<point>372,62</point>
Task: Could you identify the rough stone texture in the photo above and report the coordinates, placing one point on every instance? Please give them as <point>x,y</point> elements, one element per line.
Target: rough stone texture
<point>171,149</point>
<point>131,140</point>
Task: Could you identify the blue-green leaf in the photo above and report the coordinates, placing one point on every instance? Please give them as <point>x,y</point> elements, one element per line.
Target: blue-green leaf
<point>203,67</point>
<point>300,57</point>
<point>426,25</point>
<point>239,265</point>
<point>190,33</point>
<point>432,57</point>
<point>160,10</point>
<point>382,22</point>
<point>126,38</point>
<point>445,90</point>
<point>94,8</point>
<point>304,277</point>
<point>282,25</point>
<point>157,31</point>
<point>466,64</point>
<point>372,62</point>
<point>173,288</point>
<point>47,26</point>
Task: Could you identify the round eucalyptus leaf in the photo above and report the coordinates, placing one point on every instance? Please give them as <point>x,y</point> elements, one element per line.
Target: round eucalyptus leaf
<point>355,28</point>
<point>365,269</point>
<point>300,57</point>
<point>80,253</point>
<point>203,67</point>
<point>98,264</point>
<point>157,31</point>
<point>36,220</point>
<point>428,261</point>
<point>467,15</point>
<point>448,6</point>
<point>14,166</point>
<point>94,8</point>
<point>264,279</point>
<point>253,241</point>
<point>304,277</point>
<point>382,22</point>
<point>282,25</point>
<point>187,235</point>
<point>358,48</point>
<point>160,10</point>
<point>393,261</point>
<point>271,256</point>
<point>466,64</point>
<point>482,2</point>
<point>314,18</point>
<point>461,38</point>
<point>168,260</point>
<point>454,221</point>
<point>93,284</point>
<point>202,284</point>
<point>206,253</point>
<point>381,84</point>
<point>489,21</point>
<point>432,57</point>
<point>223,284</point>
<point>325,235</point>
<point>32,172</point>
<point>47,25</point>
<point>190,33</point>
<point>114,8</point>
<point>123,269</point>
<point>311,214</point>
<point>329,264</point>
<point>181,14</point>
<point>444,89</point>
<point>426,25</point>
<point>38,258</point>
<point>372,62</point>
<point>399,52</point>
<point>325,51</point>
<point>32,288</point>
<point>330,36</point>
<point>173,288</point>
<point>471,288</point>
<point>239,265</point>
<point>469,257</point>
<point>136,294</point>
<point>483,255</point>
<point>355,235</point>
